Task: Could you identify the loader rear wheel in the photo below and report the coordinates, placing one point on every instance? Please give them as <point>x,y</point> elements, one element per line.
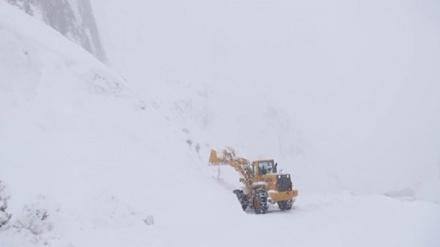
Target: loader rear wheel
<point>282,205</point>
<point>285,205</point>
<point>289,204</point>
<point>260,201</point>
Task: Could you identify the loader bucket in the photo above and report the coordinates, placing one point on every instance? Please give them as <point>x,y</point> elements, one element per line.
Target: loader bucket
<point>213,159</point>
<point>221,156</point>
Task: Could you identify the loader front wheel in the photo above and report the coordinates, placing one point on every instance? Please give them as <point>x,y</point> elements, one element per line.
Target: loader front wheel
<point>242,198</point>
<point>260,201</point>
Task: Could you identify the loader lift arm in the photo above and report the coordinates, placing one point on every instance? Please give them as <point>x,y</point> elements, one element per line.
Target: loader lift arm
<point>241,165</point>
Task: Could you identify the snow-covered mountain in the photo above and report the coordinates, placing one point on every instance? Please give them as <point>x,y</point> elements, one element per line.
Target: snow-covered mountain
<point>99,156</point>
<point>73,18</point>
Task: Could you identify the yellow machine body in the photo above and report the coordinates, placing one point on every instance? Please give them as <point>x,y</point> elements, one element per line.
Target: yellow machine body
<point>261,181</point>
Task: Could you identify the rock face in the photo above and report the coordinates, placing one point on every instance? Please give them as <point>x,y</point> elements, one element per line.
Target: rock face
<point>72,18</point>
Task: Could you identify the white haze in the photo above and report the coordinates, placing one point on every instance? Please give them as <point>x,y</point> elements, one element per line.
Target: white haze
<point>346,87</point>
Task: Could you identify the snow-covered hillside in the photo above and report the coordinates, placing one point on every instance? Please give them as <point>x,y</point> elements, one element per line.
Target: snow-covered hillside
<point>76,142</point>
<point>90,158</point>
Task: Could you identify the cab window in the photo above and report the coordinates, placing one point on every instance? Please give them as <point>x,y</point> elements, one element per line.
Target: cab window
<point>265,167</point>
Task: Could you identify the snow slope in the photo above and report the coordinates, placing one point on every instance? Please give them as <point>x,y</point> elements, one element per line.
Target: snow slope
<point>87,158</point>
<point>75,141</point>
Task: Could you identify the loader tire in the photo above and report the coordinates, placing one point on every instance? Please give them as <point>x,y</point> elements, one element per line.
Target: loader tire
<point>285,205</point>
<point>242,198</point>
<point>289,204</point>
<point>260,201</point>
<point>282,205</point>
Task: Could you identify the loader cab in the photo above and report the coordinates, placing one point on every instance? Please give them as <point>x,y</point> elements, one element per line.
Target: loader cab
<point>263,167</point>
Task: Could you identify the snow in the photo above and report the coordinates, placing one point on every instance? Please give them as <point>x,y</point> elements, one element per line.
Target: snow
<point>100,156</point>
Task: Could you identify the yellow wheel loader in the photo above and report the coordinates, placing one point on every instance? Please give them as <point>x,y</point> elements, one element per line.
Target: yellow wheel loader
<point>262,183</point>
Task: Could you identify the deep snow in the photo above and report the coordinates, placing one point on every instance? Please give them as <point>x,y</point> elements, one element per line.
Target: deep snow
<point>100,153</point>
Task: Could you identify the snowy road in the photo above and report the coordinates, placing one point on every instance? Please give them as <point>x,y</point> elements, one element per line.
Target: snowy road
<point>320,220</point>
<point>339,219</point>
